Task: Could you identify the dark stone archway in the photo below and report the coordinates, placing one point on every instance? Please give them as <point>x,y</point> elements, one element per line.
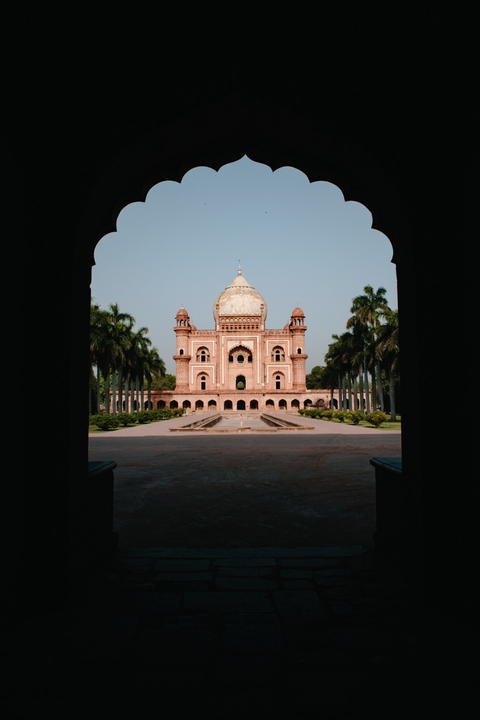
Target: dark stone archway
<point>393,156</point>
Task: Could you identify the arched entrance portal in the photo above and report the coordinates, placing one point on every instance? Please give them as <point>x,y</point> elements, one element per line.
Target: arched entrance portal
<point>213,121</point>
<point>240,404</point>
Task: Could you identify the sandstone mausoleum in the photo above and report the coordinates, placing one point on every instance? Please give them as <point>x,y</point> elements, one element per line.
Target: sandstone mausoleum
<point>240,364</point>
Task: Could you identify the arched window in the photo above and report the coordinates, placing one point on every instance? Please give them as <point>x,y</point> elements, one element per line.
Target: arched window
<point>212,403</point>
<point>253,405</point>
<point>239,354</point>
<point>278,354</point>
<point>203,383</point>
<point>202,354</point>
<point>181,351</point>
<point>186,404</point>
<point>228,405</point>
<point>270,403</point>
<point>282,404</point>
<point>241,405</point>
<point>299,351</point>
<point>174,404</point>
<point>199,405</point>
<point>278,382</point>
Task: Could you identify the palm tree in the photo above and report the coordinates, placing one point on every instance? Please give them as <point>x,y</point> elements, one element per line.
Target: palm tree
<point>137,358</point>
<point>389,352</point>
<point>368,309</point>
<point>98,346</point>
<point>120,338</point>
<point>360,360</point>
<point>154,368</point>
<point>340,358</point>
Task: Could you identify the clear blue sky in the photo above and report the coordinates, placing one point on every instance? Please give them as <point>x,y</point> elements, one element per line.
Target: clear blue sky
<point>299,244</point>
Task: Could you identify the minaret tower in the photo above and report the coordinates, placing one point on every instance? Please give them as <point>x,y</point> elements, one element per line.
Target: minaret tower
<point>182,357</point>
<point>297,329</point>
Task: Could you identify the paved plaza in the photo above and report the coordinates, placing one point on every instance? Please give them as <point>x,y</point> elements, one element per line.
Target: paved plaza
<point>286,488</point>
<point>260,621</point>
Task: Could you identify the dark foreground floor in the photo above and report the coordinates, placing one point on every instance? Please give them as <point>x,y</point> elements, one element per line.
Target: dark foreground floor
<point>245,490</point>
<point>223,633</point>
<point>244,586</point>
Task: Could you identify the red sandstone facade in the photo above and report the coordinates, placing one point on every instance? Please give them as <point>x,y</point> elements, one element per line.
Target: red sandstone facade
<point>240,365</point>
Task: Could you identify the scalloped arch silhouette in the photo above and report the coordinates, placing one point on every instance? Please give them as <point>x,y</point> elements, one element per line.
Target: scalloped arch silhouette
<point>274,137</point>
<point>145,194</point>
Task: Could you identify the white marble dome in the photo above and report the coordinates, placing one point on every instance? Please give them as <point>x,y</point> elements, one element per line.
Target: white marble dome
<point>239,298</point>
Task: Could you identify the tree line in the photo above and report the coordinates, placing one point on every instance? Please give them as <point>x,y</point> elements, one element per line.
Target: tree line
<point>364,361</point>
<point>123,362</point>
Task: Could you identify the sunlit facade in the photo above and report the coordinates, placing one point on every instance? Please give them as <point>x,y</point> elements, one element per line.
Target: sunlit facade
<point>240,364</point>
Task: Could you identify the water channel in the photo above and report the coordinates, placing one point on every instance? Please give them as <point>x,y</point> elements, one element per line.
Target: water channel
<point>238,422</point>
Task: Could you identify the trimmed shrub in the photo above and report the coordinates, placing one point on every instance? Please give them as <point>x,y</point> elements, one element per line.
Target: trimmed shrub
<point>125,418</point>
<point>105,421</point>
<point>326,414</point>
<point>339,415</point>
<point>376,418</point>
<point>355,416</point>
<point>143,416</point>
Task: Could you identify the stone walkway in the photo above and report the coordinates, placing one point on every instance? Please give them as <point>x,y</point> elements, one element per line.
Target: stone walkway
<point>254,489</point>
<point>224,633</point>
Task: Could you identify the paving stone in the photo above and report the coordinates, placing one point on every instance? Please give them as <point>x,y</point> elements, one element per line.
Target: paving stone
<point>248,572</point>
<point>181,564</point>
<point>182,576</point>
<point>244,562</point>
<point>296,574</point>
<point>185,586</point>
<point>245,583</point>
<point>299,605</point>
<point>333,572</point>
<point>136,564</point>
<point>324,551</point>
<point>331,580</point>
<point>308,562</point>
<point>300,584</point>
<point>217,601</point>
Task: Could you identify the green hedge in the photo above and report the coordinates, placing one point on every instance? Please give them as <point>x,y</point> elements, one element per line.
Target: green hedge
<point>107,421</point>
<point>353,416</point>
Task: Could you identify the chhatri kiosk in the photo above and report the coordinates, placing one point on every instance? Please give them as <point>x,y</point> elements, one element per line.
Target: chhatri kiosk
<point>240,364</point>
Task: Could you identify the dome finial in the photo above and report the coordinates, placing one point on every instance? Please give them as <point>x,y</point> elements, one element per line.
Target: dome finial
<point>239,268</point>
